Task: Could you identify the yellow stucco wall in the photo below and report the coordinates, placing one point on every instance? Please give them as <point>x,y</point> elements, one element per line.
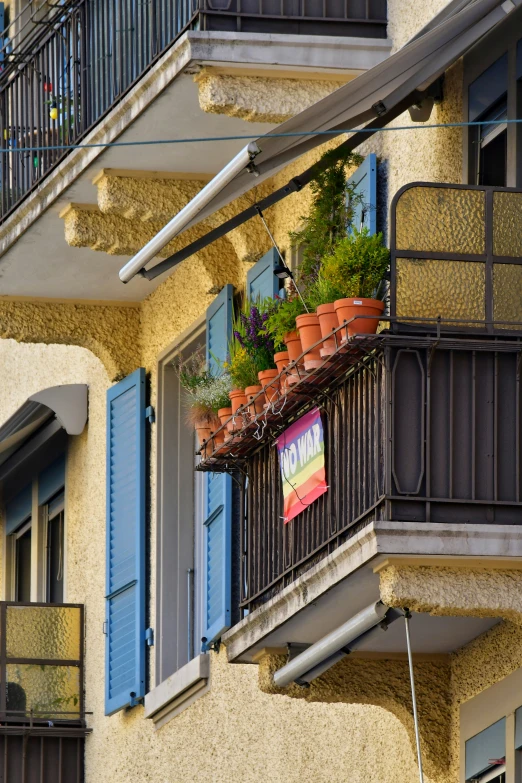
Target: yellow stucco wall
<point>237,732</point>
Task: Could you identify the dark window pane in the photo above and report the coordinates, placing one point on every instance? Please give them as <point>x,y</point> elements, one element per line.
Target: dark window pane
<point>493,163</point>
<point>55,559</point>
<point>488,88</point>
<point>23,566</point>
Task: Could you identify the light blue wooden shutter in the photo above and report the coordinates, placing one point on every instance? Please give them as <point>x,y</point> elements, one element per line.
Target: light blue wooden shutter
<point>125,599</point>
<point>364,181</point>
<point>217,589</point>
<point>261,281</point>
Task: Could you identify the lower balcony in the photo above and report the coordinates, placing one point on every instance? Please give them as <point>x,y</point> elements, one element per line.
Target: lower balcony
<point>42,713</point>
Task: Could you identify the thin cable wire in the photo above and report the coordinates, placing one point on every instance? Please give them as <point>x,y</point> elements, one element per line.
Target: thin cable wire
<point>407,617</point>
<point>197,140</point>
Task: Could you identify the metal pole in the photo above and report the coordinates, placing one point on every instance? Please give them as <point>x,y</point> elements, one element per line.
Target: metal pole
<point>259,212</point>
<point>407,617</point>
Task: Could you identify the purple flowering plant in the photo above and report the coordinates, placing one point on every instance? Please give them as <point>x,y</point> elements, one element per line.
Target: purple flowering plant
<point>251,349</point>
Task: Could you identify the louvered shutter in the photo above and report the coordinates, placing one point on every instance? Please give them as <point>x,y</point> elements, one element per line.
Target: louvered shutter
<point>364,181</point>
<point>261,281</point>
<point>217,537</point>
<point>125,599</point>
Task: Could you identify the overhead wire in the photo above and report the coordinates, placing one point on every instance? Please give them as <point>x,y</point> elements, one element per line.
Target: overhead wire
<point>202,139</point>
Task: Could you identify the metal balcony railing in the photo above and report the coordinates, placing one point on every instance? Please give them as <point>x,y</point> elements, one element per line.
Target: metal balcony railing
<point>75,64</point>
<point>42,715</point>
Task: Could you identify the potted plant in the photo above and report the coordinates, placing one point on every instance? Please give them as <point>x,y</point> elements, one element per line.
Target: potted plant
<point>251,352</point>
<point>281,324</point>
<point>206,394</point>
<point>357,268</point>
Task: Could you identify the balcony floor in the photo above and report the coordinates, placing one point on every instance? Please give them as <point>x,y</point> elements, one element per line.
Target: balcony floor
<point>346,582</point>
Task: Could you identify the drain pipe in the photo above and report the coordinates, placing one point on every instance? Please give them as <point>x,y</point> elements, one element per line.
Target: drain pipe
<point>331,645</point>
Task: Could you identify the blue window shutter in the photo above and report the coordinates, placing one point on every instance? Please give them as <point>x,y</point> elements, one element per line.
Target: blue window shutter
<point>125,599</point>
<point>261,281</point>
<point>365,182</point>
<point>217,585</point>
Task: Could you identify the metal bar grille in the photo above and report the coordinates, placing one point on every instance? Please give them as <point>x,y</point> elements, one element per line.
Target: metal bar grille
<point>80,65</point>
<point>275,553</point>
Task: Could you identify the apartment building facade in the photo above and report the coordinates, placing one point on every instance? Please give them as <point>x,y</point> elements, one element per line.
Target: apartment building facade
<point>148,606</point>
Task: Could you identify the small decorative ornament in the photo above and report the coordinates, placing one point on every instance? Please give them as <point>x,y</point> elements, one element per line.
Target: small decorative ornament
<point>53,114</point>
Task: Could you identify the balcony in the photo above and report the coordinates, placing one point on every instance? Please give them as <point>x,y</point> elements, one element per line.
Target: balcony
<point>422,422</point>
<point>42,712</point>
<point>62,74</point>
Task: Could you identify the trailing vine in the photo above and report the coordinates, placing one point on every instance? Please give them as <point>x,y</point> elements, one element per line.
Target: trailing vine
<point>330,215</point>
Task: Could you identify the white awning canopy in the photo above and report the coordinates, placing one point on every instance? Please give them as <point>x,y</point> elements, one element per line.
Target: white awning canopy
<point>372,99</point>
<point>66,404</point>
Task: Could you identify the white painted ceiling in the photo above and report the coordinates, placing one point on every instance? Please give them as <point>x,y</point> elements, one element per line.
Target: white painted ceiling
<point>429,634</point>
<point>41,264</point>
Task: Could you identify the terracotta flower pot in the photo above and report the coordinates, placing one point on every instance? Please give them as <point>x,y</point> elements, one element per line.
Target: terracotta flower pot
<point>237,398</point>
<point>310,333</point>
<point>203,434</point>
<point>258,405</point>
<point>293,344</point>
<point>328,322</point>
<point>271,389</point>
<point>281,358</point>
<point>224,415</point>
<point>349,308</point>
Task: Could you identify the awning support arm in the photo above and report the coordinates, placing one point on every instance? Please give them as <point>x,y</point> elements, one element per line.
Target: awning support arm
<point>293,186</point>
<point>407,618</point>
<point>289,271</point>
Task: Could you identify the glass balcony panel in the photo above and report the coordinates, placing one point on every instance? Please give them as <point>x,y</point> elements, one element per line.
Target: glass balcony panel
<point>507,301</point>
<point>441,220</point>
<point>427,288</point>
<point>507,219</point>
<point>47,690</point>
<point>43,632</point>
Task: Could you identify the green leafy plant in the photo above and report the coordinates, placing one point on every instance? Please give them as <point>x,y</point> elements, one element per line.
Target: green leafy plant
<point>356,267</point>
<point>282,319</point>
<point>331,212</point>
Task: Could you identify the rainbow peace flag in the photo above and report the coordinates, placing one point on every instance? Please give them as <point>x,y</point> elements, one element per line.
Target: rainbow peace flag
<point>301,461</point>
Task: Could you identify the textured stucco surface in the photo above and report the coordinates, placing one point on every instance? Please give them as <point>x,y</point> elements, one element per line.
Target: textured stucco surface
<point>110,332</point>
<point>355,722</point>
<point>454,591</point>
<point>257,99</point>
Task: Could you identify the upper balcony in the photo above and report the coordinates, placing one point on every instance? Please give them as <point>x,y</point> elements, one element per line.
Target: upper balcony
<point>62,74</point>
<point>422,431</point>
<point>42,712</point>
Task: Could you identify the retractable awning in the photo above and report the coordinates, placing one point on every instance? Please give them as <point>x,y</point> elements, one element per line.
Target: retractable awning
<point>372,100</point>
<point>58,407</point>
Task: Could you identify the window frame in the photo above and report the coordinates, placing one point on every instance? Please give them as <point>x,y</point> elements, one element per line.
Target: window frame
<point>166,509</point>
<point>500,700</point>
<point>38,521</point>
<point>482,56</point>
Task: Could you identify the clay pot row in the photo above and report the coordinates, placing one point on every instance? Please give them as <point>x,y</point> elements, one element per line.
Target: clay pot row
<point>312,327</point>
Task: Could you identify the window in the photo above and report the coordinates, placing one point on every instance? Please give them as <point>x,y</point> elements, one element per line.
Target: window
<point>22,564</point>
<point>492,95</point>
<point>491,733</point>
<point>54,560</point>
<point>34,528</point>
<point>180,523</point>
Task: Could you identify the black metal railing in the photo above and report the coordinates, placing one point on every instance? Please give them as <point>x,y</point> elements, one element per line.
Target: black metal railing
<point>42,714</point>
<point>58,82</point>
<point>420,428</point>
<point>275,553</point>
